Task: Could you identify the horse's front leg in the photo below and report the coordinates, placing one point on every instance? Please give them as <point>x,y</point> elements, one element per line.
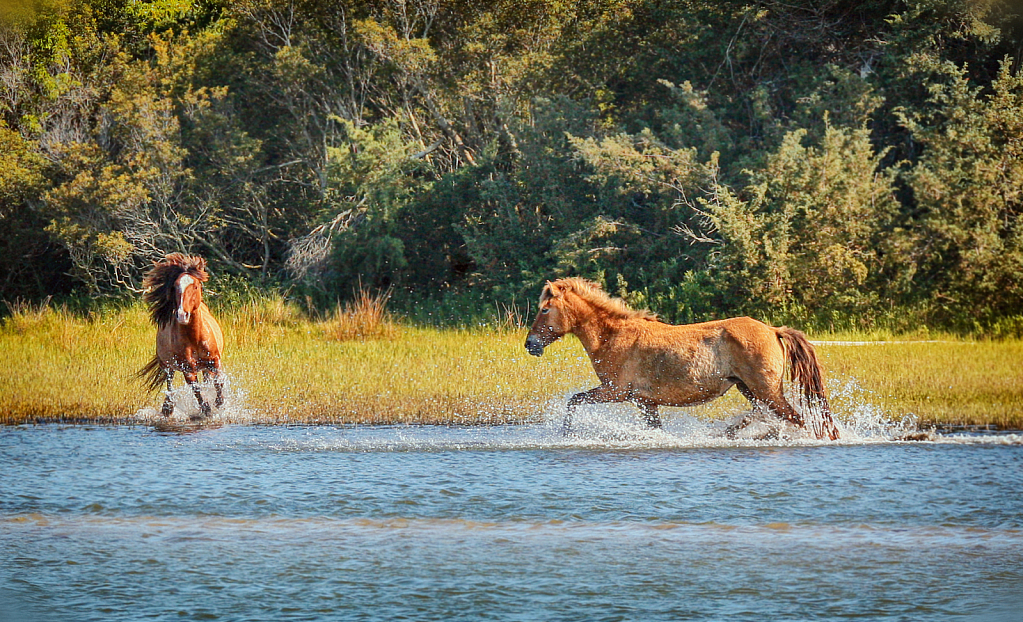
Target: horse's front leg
<point>597,395</point>
<point>218,382</point>
<point>649,412</point>
<point>733,429</point>
<point>192,378</point>
<point>168,404</point>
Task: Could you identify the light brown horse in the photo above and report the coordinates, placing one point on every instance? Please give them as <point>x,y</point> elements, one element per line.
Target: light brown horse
<point>188,338</point>
<point>640,359</point>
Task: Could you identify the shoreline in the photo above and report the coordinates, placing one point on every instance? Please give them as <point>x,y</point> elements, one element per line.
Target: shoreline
<point>288,369</point>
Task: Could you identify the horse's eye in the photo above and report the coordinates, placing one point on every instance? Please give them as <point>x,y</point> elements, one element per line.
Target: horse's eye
<point>545,311</point>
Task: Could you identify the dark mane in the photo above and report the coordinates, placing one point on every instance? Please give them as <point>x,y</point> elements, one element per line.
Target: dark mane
<point>159,284</point>
<point>596,296</point>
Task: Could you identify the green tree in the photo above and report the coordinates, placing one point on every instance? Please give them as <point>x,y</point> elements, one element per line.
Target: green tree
<point>809,235</point>
<point>968,192</point>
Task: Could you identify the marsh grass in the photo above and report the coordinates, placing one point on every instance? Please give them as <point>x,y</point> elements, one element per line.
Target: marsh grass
<point>364,317</point>
<point>60,365</point>
<point>945,381</point>
<point>293,366</point>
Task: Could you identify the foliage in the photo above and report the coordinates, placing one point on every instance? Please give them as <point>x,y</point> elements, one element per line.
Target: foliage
<point>968,191</point>
<point>831,164</point>
<point>810,234</point>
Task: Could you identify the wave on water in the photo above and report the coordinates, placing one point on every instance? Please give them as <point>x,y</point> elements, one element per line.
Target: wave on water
<point>212,528</point>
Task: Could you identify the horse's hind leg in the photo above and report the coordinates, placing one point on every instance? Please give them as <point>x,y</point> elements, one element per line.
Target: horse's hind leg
<point>168,404</point>
<point>775,401</point>
<point>192,378</point>
<point>731,430</point>
<point>780,406</point>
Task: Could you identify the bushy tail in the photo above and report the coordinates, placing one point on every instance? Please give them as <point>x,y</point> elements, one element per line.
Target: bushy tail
<point>153,374</point>
<point>805,371</point>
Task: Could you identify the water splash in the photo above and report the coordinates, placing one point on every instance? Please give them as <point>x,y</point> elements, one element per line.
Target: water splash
<point>862,419</point>
<point>857,415</point>
<point>186,407</point>
<point>859,418</point>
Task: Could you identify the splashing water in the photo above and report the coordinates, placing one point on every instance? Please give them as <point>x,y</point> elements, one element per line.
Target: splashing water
<point>859,419</point>
<point>615,427</point>
<point>862,419</point>
<point>233,410</point>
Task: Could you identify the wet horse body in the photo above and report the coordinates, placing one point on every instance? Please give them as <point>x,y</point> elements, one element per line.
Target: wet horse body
<point>640,359</point>
<point>188,339</point>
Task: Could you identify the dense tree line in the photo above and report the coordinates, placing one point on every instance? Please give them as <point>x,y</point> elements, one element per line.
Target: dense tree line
<point>815,161</point>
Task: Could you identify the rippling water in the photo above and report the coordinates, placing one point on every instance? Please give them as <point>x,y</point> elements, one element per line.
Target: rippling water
<point>504,523</point>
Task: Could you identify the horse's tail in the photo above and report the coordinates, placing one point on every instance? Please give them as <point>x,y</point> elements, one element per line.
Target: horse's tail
<point>153,374</point>
<point>805,371</point>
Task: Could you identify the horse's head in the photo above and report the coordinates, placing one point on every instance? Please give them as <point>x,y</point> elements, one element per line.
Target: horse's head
<point>174,288</point>
<point>189,293</point>
<point>552,320</point>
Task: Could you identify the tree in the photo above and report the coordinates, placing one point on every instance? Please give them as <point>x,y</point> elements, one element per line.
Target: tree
<point>968,191</point>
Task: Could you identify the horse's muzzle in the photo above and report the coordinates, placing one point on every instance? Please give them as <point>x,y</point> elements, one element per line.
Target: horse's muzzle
<point>534,346</point>
<point>183,316</point>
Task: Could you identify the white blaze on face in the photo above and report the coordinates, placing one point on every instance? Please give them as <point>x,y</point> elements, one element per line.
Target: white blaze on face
<point>183,284</point>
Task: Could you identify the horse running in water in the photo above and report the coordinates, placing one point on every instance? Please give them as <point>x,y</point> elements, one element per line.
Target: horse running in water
<point>640,359</point>
<point>188,338</point>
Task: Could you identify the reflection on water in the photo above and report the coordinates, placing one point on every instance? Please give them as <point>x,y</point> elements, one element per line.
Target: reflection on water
<point>517,522</point>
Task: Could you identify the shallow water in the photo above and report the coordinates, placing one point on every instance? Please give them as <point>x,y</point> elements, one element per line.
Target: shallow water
<point>505,523</point>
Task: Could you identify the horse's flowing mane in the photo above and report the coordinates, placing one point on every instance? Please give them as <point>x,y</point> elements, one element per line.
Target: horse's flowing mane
<point>159,284</point>
<point>596,296</point>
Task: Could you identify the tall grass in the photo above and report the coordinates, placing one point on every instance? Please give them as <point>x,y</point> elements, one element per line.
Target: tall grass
<point>364,317</point>
<point>60,365</point>
<point>357,364</point>
<point>945,381</point>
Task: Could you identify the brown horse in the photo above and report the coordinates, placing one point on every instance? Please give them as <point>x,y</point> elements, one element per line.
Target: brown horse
<point>188,338</point>
<point>640,359</point>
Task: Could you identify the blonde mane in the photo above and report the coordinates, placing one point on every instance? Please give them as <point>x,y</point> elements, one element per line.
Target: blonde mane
<point>596,296</point>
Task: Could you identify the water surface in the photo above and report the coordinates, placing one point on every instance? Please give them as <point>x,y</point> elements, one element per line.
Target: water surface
<point>504,523</point>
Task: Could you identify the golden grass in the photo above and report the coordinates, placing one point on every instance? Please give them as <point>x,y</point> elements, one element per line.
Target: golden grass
<point>345,368</point>
<point>955,382</point>
<point>342,368</point>
<point>59,365</point>
<point>363,318</point>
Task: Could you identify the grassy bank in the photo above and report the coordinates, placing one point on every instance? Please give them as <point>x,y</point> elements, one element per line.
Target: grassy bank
<point>344,367</point>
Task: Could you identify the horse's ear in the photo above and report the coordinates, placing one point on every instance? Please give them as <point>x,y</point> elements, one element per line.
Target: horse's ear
<point>554,290</point>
